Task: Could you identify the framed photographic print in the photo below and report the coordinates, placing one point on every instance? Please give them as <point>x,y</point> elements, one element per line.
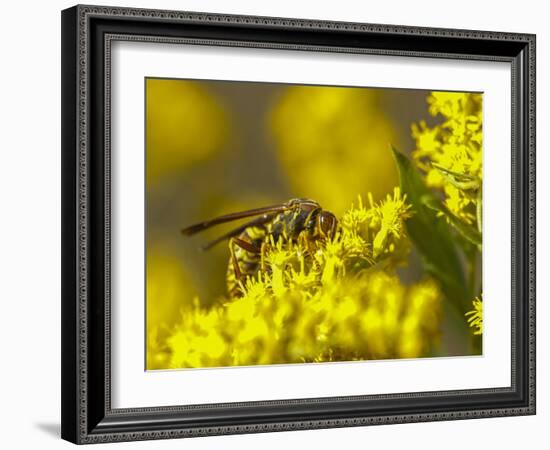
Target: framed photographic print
<point>268,222</point>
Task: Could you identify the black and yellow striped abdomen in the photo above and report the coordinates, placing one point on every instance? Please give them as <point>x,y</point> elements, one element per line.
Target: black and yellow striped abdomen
<point>249,263</point>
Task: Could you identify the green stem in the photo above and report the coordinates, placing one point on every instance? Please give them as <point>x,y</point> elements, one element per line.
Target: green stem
<point>472,276</point>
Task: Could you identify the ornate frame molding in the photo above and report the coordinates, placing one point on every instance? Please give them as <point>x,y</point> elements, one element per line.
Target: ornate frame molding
<point>83,421</point>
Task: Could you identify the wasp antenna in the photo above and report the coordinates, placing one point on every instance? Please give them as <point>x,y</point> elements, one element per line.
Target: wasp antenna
<point>188,231</point>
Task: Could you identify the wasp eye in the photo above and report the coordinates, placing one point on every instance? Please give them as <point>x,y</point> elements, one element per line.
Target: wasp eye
<point>327,224</point>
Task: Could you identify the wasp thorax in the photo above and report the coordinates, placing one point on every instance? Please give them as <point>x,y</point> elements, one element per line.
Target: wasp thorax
<point>304,204</point>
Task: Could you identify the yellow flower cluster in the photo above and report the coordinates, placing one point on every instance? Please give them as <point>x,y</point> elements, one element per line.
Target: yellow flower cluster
<point>450,153</point>
<point>339,300</point>
<point>168,280</point>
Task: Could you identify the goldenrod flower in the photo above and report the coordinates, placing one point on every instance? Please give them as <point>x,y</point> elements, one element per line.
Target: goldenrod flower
<point>450,154</point>
<point>322,303</point>
<point>391,213</point>
<point>167,282</point>
<point>476,316</point>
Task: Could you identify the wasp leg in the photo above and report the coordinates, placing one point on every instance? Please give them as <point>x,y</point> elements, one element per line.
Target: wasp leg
<point>262,258</point>
<point>249,247</point>
<point>234,261</point>
<point>307,244</point>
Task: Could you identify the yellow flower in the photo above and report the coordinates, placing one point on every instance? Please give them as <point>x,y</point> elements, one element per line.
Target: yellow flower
<point>458,204</point>
<point>450,154</point>
<point>198,341</point>
<point>168,282</point>
<point>326,303</point>
<point>476,316</point>
<point>391,212</point>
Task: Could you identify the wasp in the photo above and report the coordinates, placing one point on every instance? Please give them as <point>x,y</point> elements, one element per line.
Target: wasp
<point>294,219</point>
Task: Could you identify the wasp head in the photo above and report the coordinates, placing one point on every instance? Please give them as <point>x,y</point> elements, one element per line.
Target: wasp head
<point>327,224</point>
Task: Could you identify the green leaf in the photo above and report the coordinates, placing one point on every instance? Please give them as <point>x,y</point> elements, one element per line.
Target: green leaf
<point>431,235</point>
<point>469,232</point>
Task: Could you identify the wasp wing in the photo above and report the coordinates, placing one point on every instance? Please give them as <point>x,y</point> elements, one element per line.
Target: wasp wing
<point>198,227</point>
<point>259,221</point>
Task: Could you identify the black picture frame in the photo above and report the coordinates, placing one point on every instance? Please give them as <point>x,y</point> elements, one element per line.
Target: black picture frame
<point>87,416</point>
